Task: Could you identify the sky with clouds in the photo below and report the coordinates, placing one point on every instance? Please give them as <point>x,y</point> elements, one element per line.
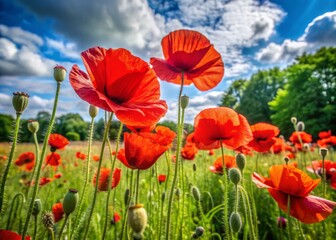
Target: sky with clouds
<point>249,34</point>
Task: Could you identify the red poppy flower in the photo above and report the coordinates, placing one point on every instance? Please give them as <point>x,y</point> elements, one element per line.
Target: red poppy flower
<point>143,149</point>
<point>116,218</point>
<point>58,175</point>
<point>230,162</point>
<point>25,158</point>
<point>326,142</point>
<point>192,53</point>
<point>53,159</point>
<point>44,181</point>
<point>326,134</point>
<point>57,141</point>
<point>330,170</point>
<point>189,151</point>
<point>104,177</point>
<point>221,123</point>
<point>263,136</point>
<point>162,178</point>
<point>96,158</point>
<point>287,181</point>
<point>58,212</point>
<point>305,138</point>
<point>10,235</point>
<point>211,152</point>
<point>278,146</point>
<point>246,150</point>
<point>168,134</point>
<point>121,83</point>
<point>80,155</point>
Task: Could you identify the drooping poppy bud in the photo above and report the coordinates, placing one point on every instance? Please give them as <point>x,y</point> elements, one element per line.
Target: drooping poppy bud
<point>33,126</point>
<point>59,73</point>
<point>20,101</point>
<point>300,126</point>
<point>196,193</point>
<point>235,222</point>
<point>137,220</point>
<point>294,120</point>
<point>234,175</point>
<point>240,161</point>
<point>37,207</point>
<point>93,111</point>
<point>323,152</point>
<point>70,201</point>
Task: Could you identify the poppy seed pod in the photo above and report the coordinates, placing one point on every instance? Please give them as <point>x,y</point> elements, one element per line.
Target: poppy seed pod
<point>33,126</point>
<point>240,161</point>
<point>93,111</point>
<point>300,126</point>
<point>293,120</point>
<point>20,101</point>
<point>137,220</point>
<point>234,175</point>
<point>70,201</point>
<point>196,193</point>
<point>48,220</point>
<point>37,207</point>
<point>184,101</point>
<point>59,73</point>
<point>323,152</point>
<point>235,222</point>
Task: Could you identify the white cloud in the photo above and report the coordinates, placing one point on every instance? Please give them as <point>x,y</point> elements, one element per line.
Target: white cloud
<point>320,32</point>
<point>66,49</point>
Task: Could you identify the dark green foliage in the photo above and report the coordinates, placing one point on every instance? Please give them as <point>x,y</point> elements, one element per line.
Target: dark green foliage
<point>231,97</point>
<point>72,136</point>
<point>72,122</point>
<point>6,123</point>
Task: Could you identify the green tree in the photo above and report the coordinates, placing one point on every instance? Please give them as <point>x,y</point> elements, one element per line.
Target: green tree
<point>71,122</point>
<point>7,127</point>
<point>233,94</point>
<point>309,94</point>
<point>258,92</point>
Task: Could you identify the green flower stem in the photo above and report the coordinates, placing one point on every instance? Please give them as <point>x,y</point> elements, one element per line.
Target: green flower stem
<point>182,179</point>
<point>237,198</point>
<point>35,226</point>
<point>44,148</point>
<point>301,142</point>
<point>51,232</point>
<point>300,230</point>
<point>124,225</point>
<point>248,213</point>
<point>37,153</point>
<point>226,195</point>
<point>63,226</point>
<point>9,226</point>
<point>10,159</point>
<point>178,147</point>
<point>289,218</point>
<point>87,177</point>
<point>111,176</point>
<point>137,187</point>
<point>256,162</point>
<point>106,132</point>
<point>323,178</point>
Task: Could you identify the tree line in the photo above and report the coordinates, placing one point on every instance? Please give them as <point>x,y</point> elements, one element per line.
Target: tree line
<point>305,90</point>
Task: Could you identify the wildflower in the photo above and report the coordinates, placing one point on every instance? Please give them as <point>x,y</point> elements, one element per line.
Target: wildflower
<point>305,138</point>
<point>58,175</point>
<point>26,159</point>
<point>325,134</point>
<point>80,155</point>
<point>211,152</point>
<point>10,235</point>
<point>162,178</point>
<point>57,141</point>
<point>53,159</point>
<point>189,151</point>
<point>192,53</point>
<point>330,170</point>
<point>119,82</point>
<point>217,167</point>
<point>116,218</point>
<point>104,178</point>
<point>96,158</point>
<point>213,125</point>
<point>263,136</point>
<point>44,181</point>
<point>288,181</point>
<point>57,211</point>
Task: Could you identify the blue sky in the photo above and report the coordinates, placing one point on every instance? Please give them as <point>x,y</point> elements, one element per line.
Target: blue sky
<point>249,34</point>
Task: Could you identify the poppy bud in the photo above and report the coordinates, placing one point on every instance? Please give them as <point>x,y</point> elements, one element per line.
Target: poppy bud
<point>37,207</point>
<point>306,147</point>
<point>33,126</point>
<point>59,73</point>
<point>137,220</point>
<point>198,232</point>
<point>48,220</point>
<point>178,192</point>
<point>235,222</point>
<point>241,161</point>
<point>184,101</point>
<point>93,111</point>
<point>20,101</point>
<point>196,193</point>
<point>300,126</point>
<point>70,201</point>
<point>194,167</point>
<point>286,159</point>
<point>282,222</point>
<point>234,175</point>
<point>163,196</point>
<point>127,197</point>
<point>294,120</point>
<point>323,152</point>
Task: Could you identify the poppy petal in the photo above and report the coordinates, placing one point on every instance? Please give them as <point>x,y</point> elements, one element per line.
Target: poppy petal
<point>262,182</point>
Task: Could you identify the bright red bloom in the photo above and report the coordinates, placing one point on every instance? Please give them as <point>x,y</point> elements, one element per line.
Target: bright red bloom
<point>44,181</point>
<point>58,212</point>
<point>80,155</point>
<point>192,53</point>
<point>330,170</point>
<point>211,152</point>
<point>57,141</point>
<point>96,158</point>
<point>104,177</point>
<point>121,83</point>
<point>53,159</point>
<point>58,175</point>
<point>26,159</point>
<point>221,123</point>
<point>10,235</point>
<point>116,218</point>
<point>263,136</point>
<point>143,149</point>
<point>229,161</point>
<point>326,134</point>
<point>168,134</point>
<point>189,151</point>
<point>305,137</point>
<point>326,142</point>
<point>246,150</point>
<point>287,181</point>
<point>278,146</point>
<point>162,178</point>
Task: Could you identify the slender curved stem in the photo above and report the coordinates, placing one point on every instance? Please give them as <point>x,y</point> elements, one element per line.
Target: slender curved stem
<point>35,227</point>
<point>226,194</point>
<point>37,153</point>
<point>87,177</point>
<point>178,147</point>
<point>44,148</point>
<point>106,132</point>
<point>12,207</point>
<point>10,159</point>
<point>289,218</point>
<point>137,187</point>
<point>63,226</point>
